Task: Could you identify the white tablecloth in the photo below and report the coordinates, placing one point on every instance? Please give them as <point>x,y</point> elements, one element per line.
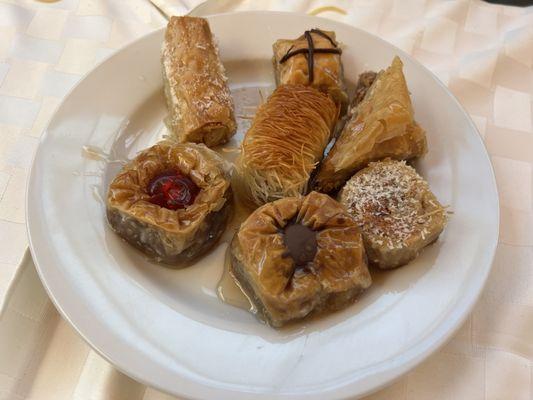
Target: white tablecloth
<point>483,53</point>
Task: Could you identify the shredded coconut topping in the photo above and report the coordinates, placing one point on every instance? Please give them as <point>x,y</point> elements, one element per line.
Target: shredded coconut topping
<point>391,202</point>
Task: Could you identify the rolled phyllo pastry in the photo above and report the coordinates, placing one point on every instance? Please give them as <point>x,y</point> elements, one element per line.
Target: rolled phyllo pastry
<point>312,59</point>
<point>381,125</point>
<point>286,140</point>
<point>298,256</point>
<point>172,201</point>
<point>200,108</point>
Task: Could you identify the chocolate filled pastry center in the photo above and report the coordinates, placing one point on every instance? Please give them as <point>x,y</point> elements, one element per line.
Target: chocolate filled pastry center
<point>172,190</point>
<point>301,243</point>
<point>299,255</point>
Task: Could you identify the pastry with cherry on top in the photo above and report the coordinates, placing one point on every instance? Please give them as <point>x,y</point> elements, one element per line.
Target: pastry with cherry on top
<point>172,201</point>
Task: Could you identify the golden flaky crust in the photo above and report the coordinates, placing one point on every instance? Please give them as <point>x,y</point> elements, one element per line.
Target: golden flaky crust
<point>328,72</point>
<point>282,291</point>
<point>161,232</point>
<point>199,102</point>
<point>396,211</point>
<point>284,143</point>
<point>382,125</point>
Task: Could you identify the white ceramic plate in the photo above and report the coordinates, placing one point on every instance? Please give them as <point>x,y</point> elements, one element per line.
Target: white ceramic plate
<point>166,327</point>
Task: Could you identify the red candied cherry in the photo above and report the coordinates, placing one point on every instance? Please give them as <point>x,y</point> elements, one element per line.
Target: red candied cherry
<point>172,190</point>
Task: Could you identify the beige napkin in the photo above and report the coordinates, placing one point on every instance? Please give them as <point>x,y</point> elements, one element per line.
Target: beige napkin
<point>483,53</point>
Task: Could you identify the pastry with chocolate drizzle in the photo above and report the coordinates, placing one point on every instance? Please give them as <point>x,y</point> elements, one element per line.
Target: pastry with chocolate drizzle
<point>298,256</point>
<point>172,201</point>
<point>312,59</point>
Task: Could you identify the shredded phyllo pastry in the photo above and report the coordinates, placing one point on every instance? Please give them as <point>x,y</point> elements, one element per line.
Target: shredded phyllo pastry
<point>284,143</point>
<point>396,211</point>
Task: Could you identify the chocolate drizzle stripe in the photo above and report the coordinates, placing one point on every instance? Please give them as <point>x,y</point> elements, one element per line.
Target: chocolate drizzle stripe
<point>324,35</point>
<point>311,58</point>
<point>306,51</point>
<point>310,51</point>
<point>287,53</point>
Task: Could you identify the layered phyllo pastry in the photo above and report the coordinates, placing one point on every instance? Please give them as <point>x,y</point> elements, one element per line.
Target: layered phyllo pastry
<point>172,201</point>
<point>314,59</point>
<point>299,255</point>
<point>200,108</point>
<point>381,125</point>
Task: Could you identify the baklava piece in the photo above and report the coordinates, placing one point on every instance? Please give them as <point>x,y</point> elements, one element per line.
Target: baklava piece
<point>396,211</point>
<point>172,201</point>
<point>312,59</point>
<point>381,125</point>
<point>199,102</point>
<point>286,140</point>
<point>299,255</point>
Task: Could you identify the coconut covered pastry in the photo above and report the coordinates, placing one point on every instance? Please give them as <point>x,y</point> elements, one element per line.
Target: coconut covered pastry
<point>299,255</point>
<point>381,125</point>
<point>172,201</point>
<point>396,211</point>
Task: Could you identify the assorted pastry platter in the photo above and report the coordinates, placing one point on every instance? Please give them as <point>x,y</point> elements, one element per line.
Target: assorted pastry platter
<point>299,252</point>
<point>305,202</point>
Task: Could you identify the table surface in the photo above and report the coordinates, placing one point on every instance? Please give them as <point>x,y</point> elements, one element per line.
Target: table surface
<point>482,52</point>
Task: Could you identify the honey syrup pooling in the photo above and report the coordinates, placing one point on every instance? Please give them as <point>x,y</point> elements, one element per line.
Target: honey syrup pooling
<point>228,290</point>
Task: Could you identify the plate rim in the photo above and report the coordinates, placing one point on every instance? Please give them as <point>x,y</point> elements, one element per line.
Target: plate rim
<point>440,334</point>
